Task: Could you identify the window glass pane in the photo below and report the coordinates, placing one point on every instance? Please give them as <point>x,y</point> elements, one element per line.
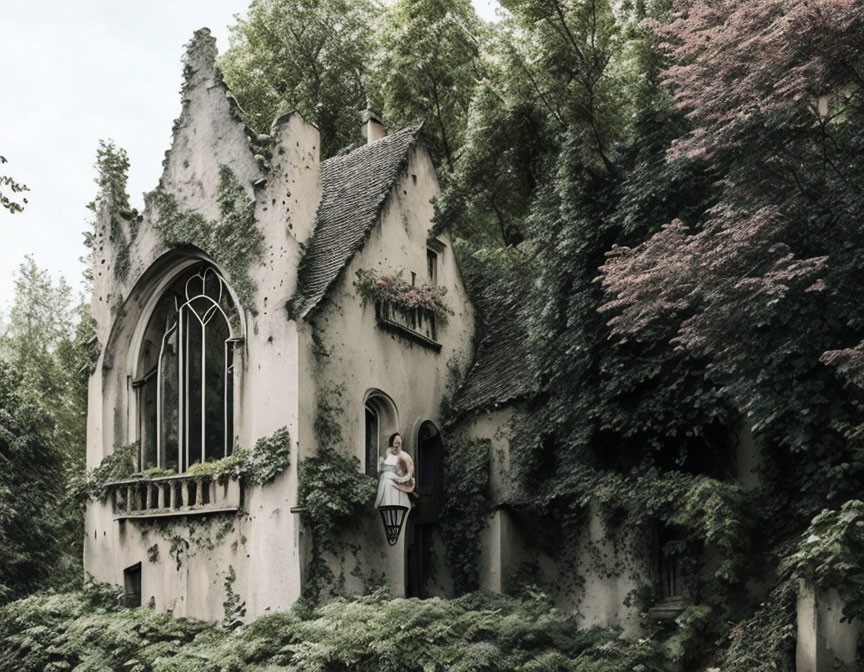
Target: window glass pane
<point>371,442</point>
<point>214,366</point>
<point>169,379</point>
<point>147,410</point>
<point>186,410</point>
<point>229,398</point>
<point>194,373</point>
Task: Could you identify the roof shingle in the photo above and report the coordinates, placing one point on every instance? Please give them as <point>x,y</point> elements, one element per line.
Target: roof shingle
<point>502,371</point>
<point>354,188</point>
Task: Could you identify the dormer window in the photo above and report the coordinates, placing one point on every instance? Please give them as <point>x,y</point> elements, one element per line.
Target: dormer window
<point>186,392</point>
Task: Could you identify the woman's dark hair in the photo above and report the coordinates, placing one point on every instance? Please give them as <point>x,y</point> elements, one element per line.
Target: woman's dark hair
<point>392,438</point>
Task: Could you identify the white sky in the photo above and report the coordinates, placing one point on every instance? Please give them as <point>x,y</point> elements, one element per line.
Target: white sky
<point>76,72</point>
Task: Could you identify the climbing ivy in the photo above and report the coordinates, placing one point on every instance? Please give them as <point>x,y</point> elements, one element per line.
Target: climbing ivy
<point>270,457</point>
<point>467,507</point>
<point>765,642</point>
<point>112,175</point>
<point>333,491</point>
<point>233,606</point>
<point>122,463</point>
<point>233,240</point>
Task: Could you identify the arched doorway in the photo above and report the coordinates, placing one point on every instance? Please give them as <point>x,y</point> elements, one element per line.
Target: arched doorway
<point>423,521</point>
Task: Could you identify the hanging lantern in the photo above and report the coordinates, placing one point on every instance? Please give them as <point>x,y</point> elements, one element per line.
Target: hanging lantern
<point>393,517</point>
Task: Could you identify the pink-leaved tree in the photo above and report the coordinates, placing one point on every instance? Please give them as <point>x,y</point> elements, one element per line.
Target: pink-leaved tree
<point>772,91</point>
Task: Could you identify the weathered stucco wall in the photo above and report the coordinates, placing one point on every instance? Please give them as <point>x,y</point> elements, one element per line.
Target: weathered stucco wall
<point>356,355</point>
<point>263,540</point>
<point>824,640</point>
<point>591,574</point>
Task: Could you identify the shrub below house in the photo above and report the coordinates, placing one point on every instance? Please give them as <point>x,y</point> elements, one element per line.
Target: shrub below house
<point>480,632</point>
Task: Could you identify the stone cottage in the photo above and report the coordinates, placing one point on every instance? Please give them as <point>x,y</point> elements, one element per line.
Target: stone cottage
<point>225,313</point>
<point>250,300</point>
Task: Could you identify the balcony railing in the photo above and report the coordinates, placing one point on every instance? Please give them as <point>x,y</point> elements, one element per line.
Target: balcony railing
<point>417,324</point>
<point>182,495</point>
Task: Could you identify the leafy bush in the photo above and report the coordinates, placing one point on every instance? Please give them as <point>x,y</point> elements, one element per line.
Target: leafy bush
<point>479,632</point>
<point>30,490</point>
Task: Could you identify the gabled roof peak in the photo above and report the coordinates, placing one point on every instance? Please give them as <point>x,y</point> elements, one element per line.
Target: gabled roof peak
<point>354,188</point>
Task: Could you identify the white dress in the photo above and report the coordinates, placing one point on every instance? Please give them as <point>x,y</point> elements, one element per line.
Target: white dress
<point>389,476</point>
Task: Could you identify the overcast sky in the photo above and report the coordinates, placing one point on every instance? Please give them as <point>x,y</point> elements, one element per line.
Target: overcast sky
<point>75,72</point>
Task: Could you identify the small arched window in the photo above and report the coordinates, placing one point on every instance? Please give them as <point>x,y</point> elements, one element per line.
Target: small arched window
<point>381,422</point>
<point>186,395</point>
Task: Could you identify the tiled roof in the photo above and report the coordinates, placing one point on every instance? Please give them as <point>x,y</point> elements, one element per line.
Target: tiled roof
<point>502,371</point>
<point>354,188</point>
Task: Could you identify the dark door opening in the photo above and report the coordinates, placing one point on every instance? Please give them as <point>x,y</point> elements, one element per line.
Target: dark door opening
<point>424,518</point>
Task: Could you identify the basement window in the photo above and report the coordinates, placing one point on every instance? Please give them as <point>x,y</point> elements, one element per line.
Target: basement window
<point>132,586</point>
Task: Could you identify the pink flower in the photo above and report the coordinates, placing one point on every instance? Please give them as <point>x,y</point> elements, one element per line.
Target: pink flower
<point>382,283</point>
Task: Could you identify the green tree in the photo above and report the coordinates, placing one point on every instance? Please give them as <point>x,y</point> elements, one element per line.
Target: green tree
<point>306,55</point>
<point>46,342</point>
<point>31,488</point>
<point>427,66</point>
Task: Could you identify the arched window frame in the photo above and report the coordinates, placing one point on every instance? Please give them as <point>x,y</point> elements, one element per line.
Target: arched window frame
<point>386,415</point>
<point>192,269</point>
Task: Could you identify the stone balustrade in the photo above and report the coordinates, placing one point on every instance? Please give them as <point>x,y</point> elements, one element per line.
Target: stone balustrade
<point>180,495</point>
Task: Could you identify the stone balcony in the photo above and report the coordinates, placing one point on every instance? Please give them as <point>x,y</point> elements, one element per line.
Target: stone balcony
<point>166,496</point>
<point>417,325</point>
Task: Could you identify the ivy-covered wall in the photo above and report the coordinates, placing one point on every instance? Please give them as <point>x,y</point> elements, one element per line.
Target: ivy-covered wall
<point>244,203</point>
<point>343,348</point>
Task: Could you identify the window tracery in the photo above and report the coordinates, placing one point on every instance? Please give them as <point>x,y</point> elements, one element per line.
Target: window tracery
<point>186,392</point>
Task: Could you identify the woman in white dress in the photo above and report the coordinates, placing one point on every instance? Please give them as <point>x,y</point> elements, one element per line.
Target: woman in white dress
<point>395,475</point>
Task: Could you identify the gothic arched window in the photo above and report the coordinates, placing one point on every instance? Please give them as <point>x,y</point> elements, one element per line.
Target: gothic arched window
<point>186,392</point>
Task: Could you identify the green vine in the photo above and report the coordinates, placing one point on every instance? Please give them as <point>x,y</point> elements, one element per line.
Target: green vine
<point>401,295</point>
<point>333,491</point>
<point>270,457</point>
<point>121,464</point>
<point>765,642</point>
<point>234,608</point>
<point>831,555</point>
<point>234,240</point>
<point>112,175</point>
<point>467,508</point>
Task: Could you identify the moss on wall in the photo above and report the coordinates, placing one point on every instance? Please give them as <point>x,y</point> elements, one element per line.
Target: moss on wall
<point>233,239</point>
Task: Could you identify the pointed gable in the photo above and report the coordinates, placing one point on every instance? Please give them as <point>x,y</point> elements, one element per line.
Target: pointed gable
<point>354,189</point>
